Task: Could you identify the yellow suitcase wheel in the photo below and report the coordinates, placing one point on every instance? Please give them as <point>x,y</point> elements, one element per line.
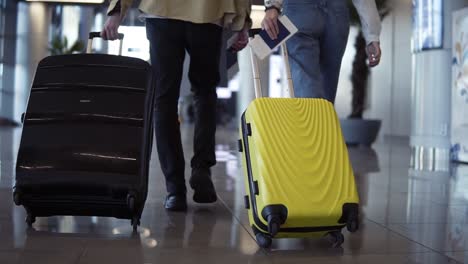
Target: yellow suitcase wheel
<point>263,240</point>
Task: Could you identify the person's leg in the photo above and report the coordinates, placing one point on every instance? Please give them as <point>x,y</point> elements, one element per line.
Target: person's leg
<point>304,47</point>
<point>333,45</point>
<point>204,46</point>
<point>167,48</point>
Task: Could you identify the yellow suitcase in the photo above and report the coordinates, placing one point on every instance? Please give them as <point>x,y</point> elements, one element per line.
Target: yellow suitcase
<point>299,179</point>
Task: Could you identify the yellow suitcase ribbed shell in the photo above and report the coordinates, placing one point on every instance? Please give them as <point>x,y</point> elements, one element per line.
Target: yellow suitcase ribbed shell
<point>298,156</point>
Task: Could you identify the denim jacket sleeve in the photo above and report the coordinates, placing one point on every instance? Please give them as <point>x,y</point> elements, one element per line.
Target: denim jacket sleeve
<point>370,19</point>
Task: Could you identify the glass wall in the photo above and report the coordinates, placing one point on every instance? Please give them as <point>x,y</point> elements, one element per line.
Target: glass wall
<point>2,43</point>
<point>8,23</point>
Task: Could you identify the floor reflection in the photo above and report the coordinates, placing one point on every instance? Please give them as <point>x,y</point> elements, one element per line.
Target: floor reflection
<point>85,248</point>
<point>443,209</point>
<point>9,144</point>
<point>407,216</point>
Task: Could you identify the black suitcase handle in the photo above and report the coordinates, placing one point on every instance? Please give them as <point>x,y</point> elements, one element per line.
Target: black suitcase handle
<point>93,35</point>
<point>256,71</point>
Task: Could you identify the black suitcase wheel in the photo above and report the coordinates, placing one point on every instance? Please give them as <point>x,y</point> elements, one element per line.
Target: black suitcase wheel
<point>30,219</point>
<point>17,198</point>
<point>263,240</point>
<point>131,202</point>
<point>351,216</point>
<point>336,238</point>
<point>135,223</point>
<point>352,225</point>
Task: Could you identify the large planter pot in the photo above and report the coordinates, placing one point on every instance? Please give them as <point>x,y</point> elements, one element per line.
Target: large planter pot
<point>360,131</point>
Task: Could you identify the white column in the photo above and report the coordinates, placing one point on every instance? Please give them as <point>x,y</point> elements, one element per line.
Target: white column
<point>7,74</point>
<point>31,46</point>
<point>431,100</point>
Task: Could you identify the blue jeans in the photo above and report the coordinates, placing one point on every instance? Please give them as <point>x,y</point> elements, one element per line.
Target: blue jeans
<point>317,49</point>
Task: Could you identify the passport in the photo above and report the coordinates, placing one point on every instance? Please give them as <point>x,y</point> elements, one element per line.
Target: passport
<point>262,45</point>
<point>283,34</point>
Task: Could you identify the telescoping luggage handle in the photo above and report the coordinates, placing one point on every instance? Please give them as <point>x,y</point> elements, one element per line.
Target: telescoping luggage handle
<point>256,71</point>
<point>93,35</point>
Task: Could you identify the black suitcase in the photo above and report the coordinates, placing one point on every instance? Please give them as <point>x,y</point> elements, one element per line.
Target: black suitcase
<point>87,138</point>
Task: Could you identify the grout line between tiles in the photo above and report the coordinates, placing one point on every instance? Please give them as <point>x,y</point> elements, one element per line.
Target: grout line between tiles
<point>81,255</point>
<point>349,254</point>
<point>265,252</point>
<point>377,223</point>
<point>414,241</point>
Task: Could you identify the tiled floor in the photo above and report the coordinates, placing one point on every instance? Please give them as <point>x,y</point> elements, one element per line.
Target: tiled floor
<point>407,217</point>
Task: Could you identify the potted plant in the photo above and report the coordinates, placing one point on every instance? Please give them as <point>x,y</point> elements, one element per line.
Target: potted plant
<point>59,46</point>
<point>356,130</point>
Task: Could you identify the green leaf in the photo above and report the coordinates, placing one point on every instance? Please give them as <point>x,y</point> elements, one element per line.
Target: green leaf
<point>59,46</point>
<point>65,43</point>
<point>78,46</point>
<point>56,46</point>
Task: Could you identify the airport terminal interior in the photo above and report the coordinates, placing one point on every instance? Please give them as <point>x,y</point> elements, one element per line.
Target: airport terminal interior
<point>408,147</point>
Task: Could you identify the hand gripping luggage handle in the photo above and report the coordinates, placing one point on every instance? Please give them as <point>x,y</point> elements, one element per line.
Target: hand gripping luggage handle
<point>93,35</point>
<point>256,71</point>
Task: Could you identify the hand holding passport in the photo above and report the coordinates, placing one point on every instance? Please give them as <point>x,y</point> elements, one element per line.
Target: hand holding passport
<point>263,45</point>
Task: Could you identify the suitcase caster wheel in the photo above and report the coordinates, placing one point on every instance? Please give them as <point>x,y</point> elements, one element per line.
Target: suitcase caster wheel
<point>135,223</point>
<point>30,219</point>
<point>131,203</point>
<point>17,198</point>
<point>263,240</point>
<point>352,225</point>
<point>336,238</point>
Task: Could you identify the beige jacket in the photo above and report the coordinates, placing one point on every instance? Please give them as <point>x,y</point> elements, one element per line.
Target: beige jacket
<point>234,13</point>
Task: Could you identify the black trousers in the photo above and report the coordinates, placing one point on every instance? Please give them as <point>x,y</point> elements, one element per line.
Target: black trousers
<point>169,40</point>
